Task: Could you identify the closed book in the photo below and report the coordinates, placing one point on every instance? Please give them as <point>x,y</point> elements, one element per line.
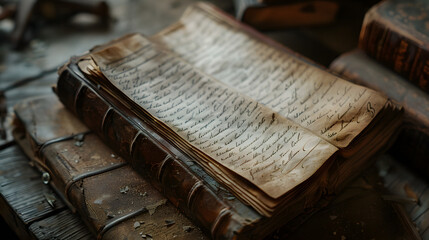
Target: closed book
<point>209,104</point>
<point>287,14</point>
<point>112,199</point>
<point>106,189</point>
<point>411,145</point>
<point>395,33</point>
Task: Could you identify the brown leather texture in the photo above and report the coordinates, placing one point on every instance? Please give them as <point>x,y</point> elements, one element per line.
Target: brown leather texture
<point>113,200</point>
<point>103,189</point>
<point>263,16</point>
<point>190,189</point>
<point>395,34</point>
<point>412,143</point>
<point>176,175</point>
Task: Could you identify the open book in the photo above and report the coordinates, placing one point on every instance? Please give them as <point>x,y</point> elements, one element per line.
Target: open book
<point>271,127</point>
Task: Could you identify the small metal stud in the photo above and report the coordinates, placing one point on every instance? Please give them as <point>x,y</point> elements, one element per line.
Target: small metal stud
<point>46,177</point>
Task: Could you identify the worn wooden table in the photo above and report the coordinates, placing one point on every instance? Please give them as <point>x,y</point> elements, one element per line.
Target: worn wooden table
<point>23,201</point>
<point>32,216</point>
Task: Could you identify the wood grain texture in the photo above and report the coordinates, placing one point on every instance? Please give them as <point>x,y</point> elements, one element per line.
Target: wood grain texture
<point>405,185</point>
<point>54,44</point>
<point>109,196</point>
<point>64,225</point>
<point>101,196</point>
<point>32,208</point>
<point>23,203</point>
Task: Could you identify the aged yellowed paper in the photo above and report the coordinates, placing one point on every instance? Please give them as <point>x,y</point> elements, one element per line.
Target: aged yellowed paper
<point>330,107</point>
<point>235,131</point>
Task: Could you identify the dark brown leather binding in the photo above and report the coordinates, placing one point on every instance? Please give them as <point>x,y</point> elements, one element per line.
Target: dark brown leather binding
<point>182,181</point>
<point>112,199</point>
<point>133,136</point>
<point>174,173</point>
<point>74,163</point>
<point>395,33</point>
<point>412,143</point>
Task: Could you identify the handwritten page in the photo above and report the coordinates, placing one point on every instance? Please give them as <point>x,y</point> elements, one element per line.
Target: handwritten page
<point>330,107</point>
<point>237,132</point>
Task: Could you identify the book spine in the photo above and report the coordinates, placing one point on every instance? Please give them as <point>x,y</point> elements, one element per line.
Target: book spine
<point>87,174</point>
<point>152,156</point>
<point>413,139</point>
<point>392,46</point>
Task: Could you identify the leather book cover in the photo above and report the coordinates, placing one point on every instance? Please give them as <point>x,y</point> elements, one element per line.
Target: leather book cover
<point>171,171</point>
<point>117,203</point>
<point>411,144</point>
<point>113,200</point>
<point>174,174</point>
<point>286,14</point>
<point>395,33</point>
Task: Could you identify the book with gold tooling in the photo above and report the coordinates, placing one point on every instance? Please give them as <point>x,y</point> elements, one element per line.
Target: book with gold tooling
<point>396,34</point>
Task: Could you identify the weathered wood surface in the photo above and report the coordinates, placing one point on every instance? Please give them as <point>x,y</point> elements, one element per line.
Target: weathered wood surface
<point>32,216</point>
<point>24,202</point>
<point>409,189</point>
